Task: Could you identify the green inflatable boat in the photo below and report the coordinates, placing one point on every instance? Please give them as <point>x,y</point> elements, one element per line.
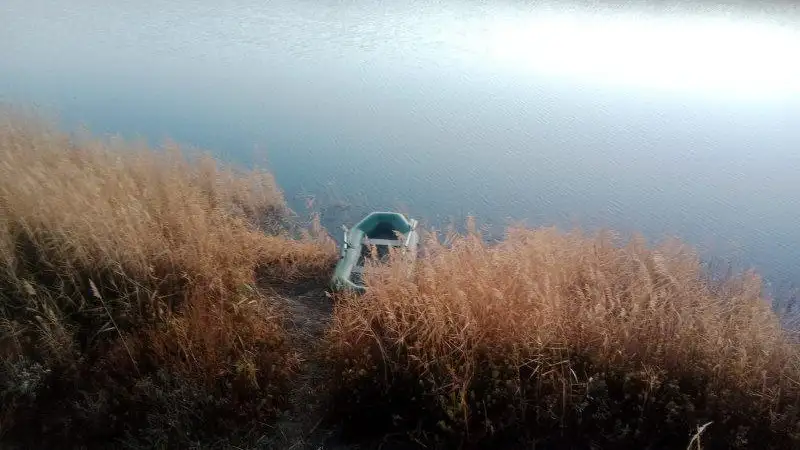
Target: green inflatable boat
<point>379,229</point>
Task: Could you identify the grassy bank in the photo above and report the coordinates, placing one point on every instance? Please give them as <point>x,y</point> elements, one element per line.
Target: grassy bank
<point>564,340</point>
<point>143,303</point>
<point>129,310</point>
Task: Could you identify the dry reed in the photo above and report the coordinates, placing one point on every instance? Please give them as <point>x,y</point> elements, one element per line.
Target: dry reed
<point>564,340</point>
<point>128,297</point>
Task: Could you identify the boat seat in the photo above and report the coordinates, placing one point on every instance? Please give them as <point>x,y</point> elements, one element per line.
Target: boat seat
<point>387,242</point>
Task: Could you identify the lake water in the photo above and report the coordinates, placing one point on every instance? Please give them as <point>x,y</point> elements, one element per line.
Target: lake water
<point>668,120</point>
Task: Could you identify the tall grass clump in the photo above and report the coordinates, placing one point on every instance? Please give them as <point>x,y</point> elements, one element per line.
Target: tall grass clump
<point>564,340</point>
<point>129,313</point>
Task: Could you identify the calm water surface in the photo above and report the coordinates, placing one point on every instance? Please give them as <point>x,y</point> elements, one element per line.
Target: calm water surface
<point>665,120</point>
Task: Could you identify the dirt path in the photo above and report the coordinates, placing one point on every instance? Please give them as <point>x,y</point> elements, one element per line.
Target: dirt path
<point>308,312</point>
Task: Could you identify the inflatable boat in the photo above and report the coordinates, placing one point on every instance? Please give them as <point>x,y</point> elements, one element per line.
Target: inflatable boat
<point>379,229</point>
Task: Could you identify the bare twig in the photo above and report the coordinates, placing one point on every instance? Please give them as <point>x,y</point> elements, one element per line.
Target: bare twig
<point>696,438</point>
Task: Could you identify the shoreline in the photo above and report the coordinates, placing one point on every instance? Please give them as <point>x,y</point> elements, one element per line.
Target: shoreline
<point>149,298</point>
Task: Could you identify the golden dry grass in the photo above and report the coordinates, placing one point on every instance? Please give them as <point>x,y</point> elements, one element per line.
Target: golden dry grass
<point>568,341</point>
<point>128,298</point>
<point>131,314</point>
